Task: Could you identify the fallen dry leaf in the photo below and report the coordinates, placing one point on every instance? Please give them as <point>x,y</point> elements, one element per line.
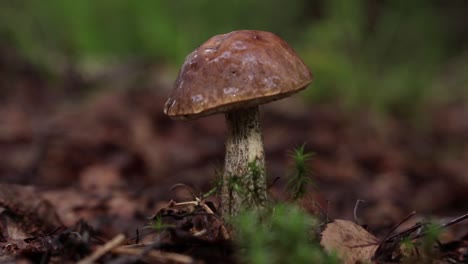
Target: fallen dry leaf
<point>350,241</point>
<point>24,213</point>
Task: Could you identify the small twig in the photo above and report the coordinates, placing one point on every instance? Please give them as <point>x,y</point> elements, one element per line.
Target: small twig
<point>206,207</point>
<point>200,233</point>
<point>398,225</point>
<point>356,208</point>
<point>142,245</point>
<point>326,211</point>
<point>395,239</point>
<point>456,220</point>
<point>137,238</point>
<point>419,225</point>
<point>451,222</point>
<point>154,255</point>
<point>101,251</point>
<point>186,203</point>
<point>273,183</point>
<point>405,232</point>
<point>210,192</point>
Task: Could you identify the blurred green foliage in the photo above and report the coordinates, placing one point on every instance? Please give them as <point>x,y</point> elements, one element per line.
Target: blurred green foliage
<point>287,235</point>
<point>383,54</point>
<point>126,28</point>
<point>387,55</point>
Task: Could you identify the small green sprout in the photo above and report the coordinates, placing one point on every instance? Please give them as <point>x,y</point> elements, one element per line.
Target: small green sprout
<point>432,233</point>
<point>408,247</point>
<point>158,225</point>
<point>420,248</point>
<point>298,181</point>
<point>217,183</point>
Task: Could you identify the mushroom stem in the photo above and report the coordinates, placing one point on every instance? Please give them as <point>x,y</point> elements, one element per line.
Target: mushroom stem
<point>244,179</point>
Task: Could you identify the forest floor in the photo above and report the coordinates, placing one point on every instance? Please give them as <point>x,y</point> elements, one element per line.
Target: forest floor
<point>103,164</point>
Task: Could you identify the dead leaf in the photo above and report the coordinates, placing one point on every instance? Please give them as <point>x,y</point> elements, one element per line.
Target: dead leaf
<point>350,241</point>
<point>194,217</point>
<point>24,212</point>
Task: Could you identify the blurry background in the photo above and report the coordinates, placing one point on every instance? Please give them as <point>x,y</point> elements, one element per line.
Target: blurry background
<point>389,54</point>
<point>82,86</point>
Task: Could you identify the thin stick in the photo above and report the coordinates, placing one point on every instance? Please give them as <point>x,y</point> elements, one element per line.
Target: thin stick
<point>273,183</point>
<point>356,208</point>
<point>386,237</point>
<point>398,225</point>
<point>456,220</point>
<point>186,203</point>
<point>154,255</point>
<point>326,211</point>
<point>451,222</point>
<point>101,251</point>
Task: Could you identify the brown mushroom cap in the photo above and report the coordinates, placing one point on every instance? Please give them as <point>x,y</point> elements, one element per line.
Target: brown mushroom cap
<point>236,70</point>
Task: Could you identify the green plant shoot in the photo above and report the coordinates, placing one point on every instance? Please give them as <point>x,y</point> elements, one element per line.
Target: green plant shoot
<point>300,178</point>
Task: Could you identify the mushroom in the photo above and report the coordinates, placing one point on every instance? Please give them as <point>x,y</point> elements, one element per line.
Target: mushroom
<point>234,73</point>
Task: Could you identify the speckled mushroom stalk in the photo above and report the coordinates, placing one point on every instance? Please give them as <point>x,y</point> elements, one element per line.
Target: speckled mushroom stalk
<point>244,145</point>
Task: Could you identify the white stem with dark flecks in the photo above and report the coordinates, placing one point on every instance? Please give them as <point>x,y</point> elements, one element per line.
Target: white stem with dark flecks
<point>241,187</point>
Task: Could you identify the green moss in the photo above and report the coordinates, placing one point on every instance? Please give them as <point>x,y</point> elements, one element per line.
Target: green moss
<point>285,234</point>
